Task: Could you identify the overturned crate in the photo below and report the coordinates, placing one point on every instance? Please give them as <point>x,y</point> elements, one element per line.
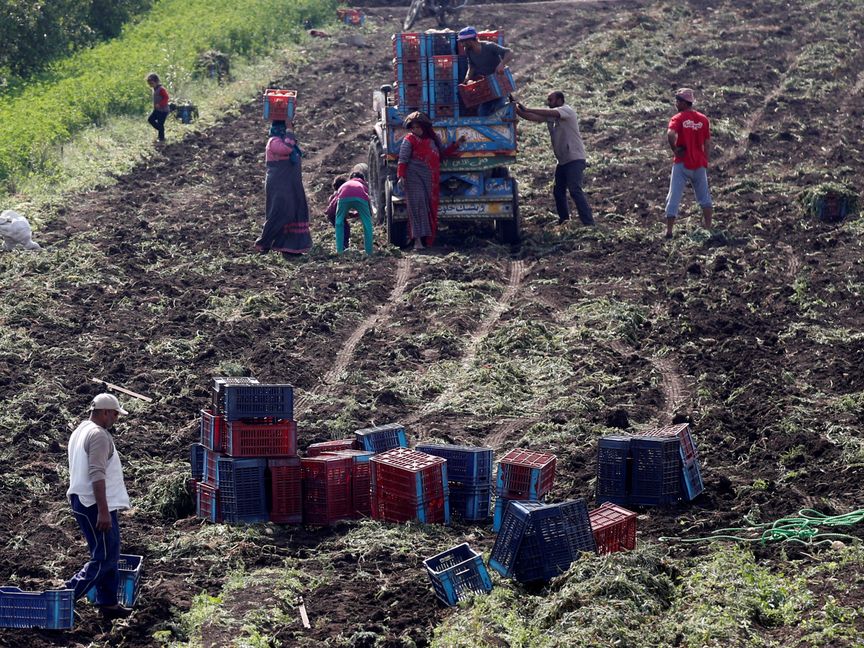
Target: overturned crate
<point>457,574</point>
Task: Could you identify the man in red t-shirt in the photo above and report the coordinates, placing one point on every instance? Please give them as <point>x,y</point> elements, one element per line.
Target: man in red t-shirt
<point>689,135</point>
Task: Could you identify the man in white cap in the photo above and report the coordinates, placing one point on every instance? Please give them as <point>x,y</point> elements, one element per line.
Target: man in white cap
<point>689,135</point>
<point>97,492</point>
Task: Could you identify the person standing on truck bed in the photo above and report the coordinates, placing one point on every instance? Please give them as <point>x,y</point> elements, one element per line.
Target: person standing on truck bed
<point>484,58</point>
<point>569,150</point>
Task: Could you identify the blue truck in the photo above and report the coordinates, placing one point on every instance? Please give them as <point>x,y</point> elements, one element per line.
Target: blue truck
<point>476,186</point>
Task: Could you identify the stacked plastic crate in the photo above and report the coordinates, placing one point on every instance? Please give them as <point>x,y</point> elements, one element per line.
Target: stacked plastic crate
<point>539,541</point>
<point>411,72</point>
<point>655,468</point>
<point>316,449</point>
<point>381,438</point>
<point>444,74</point>
<point>523,475</point>
<point>409,485</point>
<point>469,474</point>
<point>361,480</point>
<point>327,495</point>
<point>248,449</point>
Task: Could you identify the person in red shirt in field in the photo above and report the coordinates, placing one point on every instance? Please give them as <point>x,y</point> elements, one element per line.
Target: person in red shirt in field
<point>689,135</point>
<point>160,105</point>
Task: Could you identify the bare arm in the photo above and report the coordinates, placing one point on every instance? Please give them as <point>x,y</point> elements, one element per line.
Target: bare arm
<point>504,61</point>
<point>103,519</point>
<point>528,114</point>
<point>672,138</point>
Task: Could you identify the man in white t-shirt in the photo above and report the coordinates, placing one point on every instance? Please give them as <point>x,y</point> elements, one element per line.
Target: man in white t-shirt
<point>569,150</point>
<point>97,492</point>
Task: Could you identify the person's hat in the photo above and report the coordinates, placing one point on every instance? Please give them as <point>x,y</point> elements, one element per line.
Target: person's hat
<point>416,116</point>
<point>685,94</point>
<point>467,34</point>
<point>107,402</point>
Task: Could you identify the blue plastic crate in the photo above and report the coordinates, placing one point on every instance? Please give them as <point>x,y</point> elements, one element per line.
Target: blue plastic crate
<point>468,465</point>
<point>439,43</point>
<point>555,536</point>
<point>259,401</point>
<point>656,472</point>
<point>129,567</point>
<point>443,92</point>
<point>470,502</point>
<point>412,96</point>
<point>692,478</point>
<point>51,610</point>
<point>197,453</point>
<point>458,573</point>
<point>242,489</point>
<point>411,72</point>
<point>219,383</point>
<point>579,534</point>
<point>516,517</point>
<point>613,470</point>
<point>409,46</point>
<point>381,438</point>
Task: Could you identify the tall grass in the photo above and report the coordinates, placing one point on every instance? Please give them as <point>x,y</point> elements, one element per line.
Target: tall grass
<point>109,79</point>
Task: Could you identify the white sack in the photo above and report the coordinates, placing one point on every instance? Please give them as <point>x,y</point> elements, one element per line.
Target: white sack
<point>15,230</point>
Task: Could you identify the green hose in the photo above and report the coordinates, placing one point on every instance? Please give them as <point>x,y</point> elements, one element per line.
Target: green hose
<point>810,528</point>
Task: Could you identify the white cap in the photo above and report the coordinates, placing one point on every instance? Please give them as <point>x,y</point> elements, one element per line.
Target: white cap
<point>107,402</point>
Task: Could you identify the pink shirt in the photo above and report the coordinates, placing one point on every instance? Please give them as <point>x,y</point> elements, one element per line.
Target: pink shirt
<point>354,188</point>
<point>279,149</point>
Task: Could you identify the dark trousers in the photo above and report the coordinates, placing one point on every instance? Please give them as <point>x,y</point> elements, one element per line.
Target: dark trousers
<point>100,571</point>
<point>157,120</point>
<point>568,177</point>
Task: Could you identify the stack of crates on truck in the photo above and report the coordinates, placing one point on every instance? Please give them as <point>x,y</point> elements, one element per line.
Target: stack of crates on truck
<point>50,610</point>
<point>409,485</point>
<point>361,480</point>
<point>246,466</point>
<point>381,438</point>
<point>476,185</point>
<point>327,495</point>
<point>469,475</point>
<point>457,574</point>
<point>279,105</point>
<point>523,475</point>
<point>614,528</point>
<point>659,467</point>
<point>539,541</point>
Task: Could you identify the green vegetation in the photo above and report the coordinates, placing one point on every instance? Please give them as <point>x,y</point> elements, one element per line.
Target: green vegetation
<point>109,78</point>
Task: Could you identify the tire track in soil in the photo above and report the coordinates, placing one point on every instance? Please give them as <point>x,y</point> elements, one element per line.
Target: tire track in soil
<point>518,270</point>
<point>346,353</point>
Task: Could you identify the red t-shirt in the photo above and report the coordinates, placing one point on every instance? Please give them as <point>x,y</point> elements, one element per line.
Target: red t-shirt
<point>693,131</point>
<point>160,99</point>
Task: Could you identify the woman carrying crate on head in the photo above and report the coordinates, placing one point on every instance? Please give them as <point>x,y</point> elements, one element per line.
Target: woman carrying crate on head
<point>286,229</point>
<point>419,170</point>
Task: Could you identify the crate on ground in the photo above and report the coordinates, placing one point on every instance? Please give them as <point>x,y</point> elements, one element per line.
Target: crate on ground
<point>471,503</point>
<point>501,507</point>
<point>285,486</point>
<point>613,470</point>
<point>258,401</point>
<point>525,474</point>
<point>465,464</point>
<point>409,71</point>
<point>336,445</point>
<point>212,430</point>
<point>682,433</point>
<point>219,383</point>
<point>692,478</point>
<point>656,478</point>
<point>416,476</point>
<point>361,480</point>
<point>392,507</point>
<point>327,495</point>
<point>279,105</point>
<point>515,523</point>
<point>207,502</point>
<point>458,573</point>
<point>277,439</point>
<point>614,528</point>
<point>51,610</point>
<point>211,466</point>
<point>242,489</point>
<point>381,438</point>
<point>129,568</point>
<point>409,46</point>
<point>197,453</point>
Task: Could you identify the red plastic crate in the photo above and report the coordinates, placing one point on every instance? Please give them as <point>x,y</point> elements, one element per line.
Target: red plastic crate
<point>391,508</point>
<point>407,46</point>
<point>277,439</point>
<point>207,503</point>
<point>408,71</point>
<point>475,93</point>
<point>279,104</point>
<point>361,480</point>
<point>416,476</point>
<point>212,430</point>
<point>317,449</point>
<point>505,83</point>
<point>682,431</point>
<point>286,490</point>
<point>614,528</point>
<point>327,493</point>
<point>525,474</point>
<point>445,68</point>
<point>211,458</point>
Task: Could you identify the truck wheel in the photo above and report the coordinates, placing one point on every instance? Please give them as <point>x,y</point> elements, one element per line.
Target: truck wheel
<point>397,231</point>
<point>510,231</point>
<point>377,178</point>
